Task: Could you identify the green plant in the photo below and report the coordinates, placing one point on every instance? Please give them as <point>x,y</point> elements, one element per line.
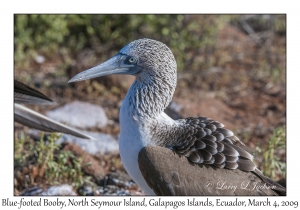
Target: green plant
<point>272,165</point>
<point>67,35</point>
<point>20,154</point>
<point>56,166</point>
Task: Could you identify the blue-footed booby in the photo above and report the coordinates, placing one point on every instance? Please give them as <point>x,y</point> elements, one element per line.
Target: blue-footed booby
<point>193,156</point>
<point>24,94</point>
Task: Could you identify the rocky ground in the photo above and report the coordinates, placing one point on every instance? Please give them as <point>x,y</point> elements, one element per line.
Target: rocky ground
<point>244,89</point>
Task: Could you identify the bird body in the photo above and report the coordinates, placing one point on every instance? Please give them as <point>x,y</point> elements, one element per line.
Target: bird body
<point>135,135</point>
<point>152,144</point>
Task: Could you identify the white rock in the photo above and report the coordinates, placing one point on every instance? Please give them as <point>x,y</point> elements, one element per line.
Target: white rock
<point>104,143</point>
<point>40,59</point>
<point>64,189</point>
<point>80,114</point>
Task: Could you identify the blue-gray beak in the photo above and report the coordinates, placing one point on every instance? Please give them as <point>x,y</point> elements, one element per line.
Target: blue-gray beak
<point>118,64</point>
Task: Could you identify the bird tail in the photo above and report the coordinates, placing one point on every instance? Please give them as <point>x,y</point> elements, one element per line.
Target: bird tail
<point>280,190</point>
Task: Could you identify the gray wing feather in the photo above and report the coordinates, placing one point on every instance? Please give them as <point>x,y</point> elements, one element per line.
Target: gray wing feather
<point>206,143</point>
<point>186,178</point>
<point>213,143</point>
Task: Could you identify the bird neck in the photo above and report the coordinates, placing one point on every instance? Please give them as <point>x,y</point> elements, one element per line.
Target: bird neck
<point>150,94</point>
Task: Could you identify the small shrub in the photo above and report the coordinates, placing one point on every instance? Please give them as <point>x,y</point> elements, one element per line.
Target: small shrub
<point>272,166</point>
<point>55,166</point>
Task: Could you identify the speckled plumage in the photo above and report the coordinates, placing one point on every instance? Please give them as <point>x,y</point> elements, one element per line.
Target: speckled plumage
<point>201,140</point>
<point>155,84</point>
<point>194,137</point>
<point>148,135</point>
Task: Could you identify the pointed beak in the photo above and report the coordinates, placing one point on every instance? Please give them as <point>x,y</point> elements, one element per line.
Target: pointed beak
<point>114,65</point>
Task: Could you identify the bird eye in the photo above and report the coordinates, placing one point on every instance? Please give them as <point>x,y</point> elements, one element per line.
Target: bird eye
<point>132,60</point>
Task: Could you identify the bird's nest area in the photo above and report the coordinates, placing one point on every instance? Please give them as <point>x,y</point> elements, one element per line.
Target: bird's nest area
<point>243,87</point>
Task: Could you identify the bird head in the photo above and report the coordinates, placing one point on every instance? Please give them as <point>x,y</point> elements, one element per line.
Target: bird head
<point>141,58</point>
